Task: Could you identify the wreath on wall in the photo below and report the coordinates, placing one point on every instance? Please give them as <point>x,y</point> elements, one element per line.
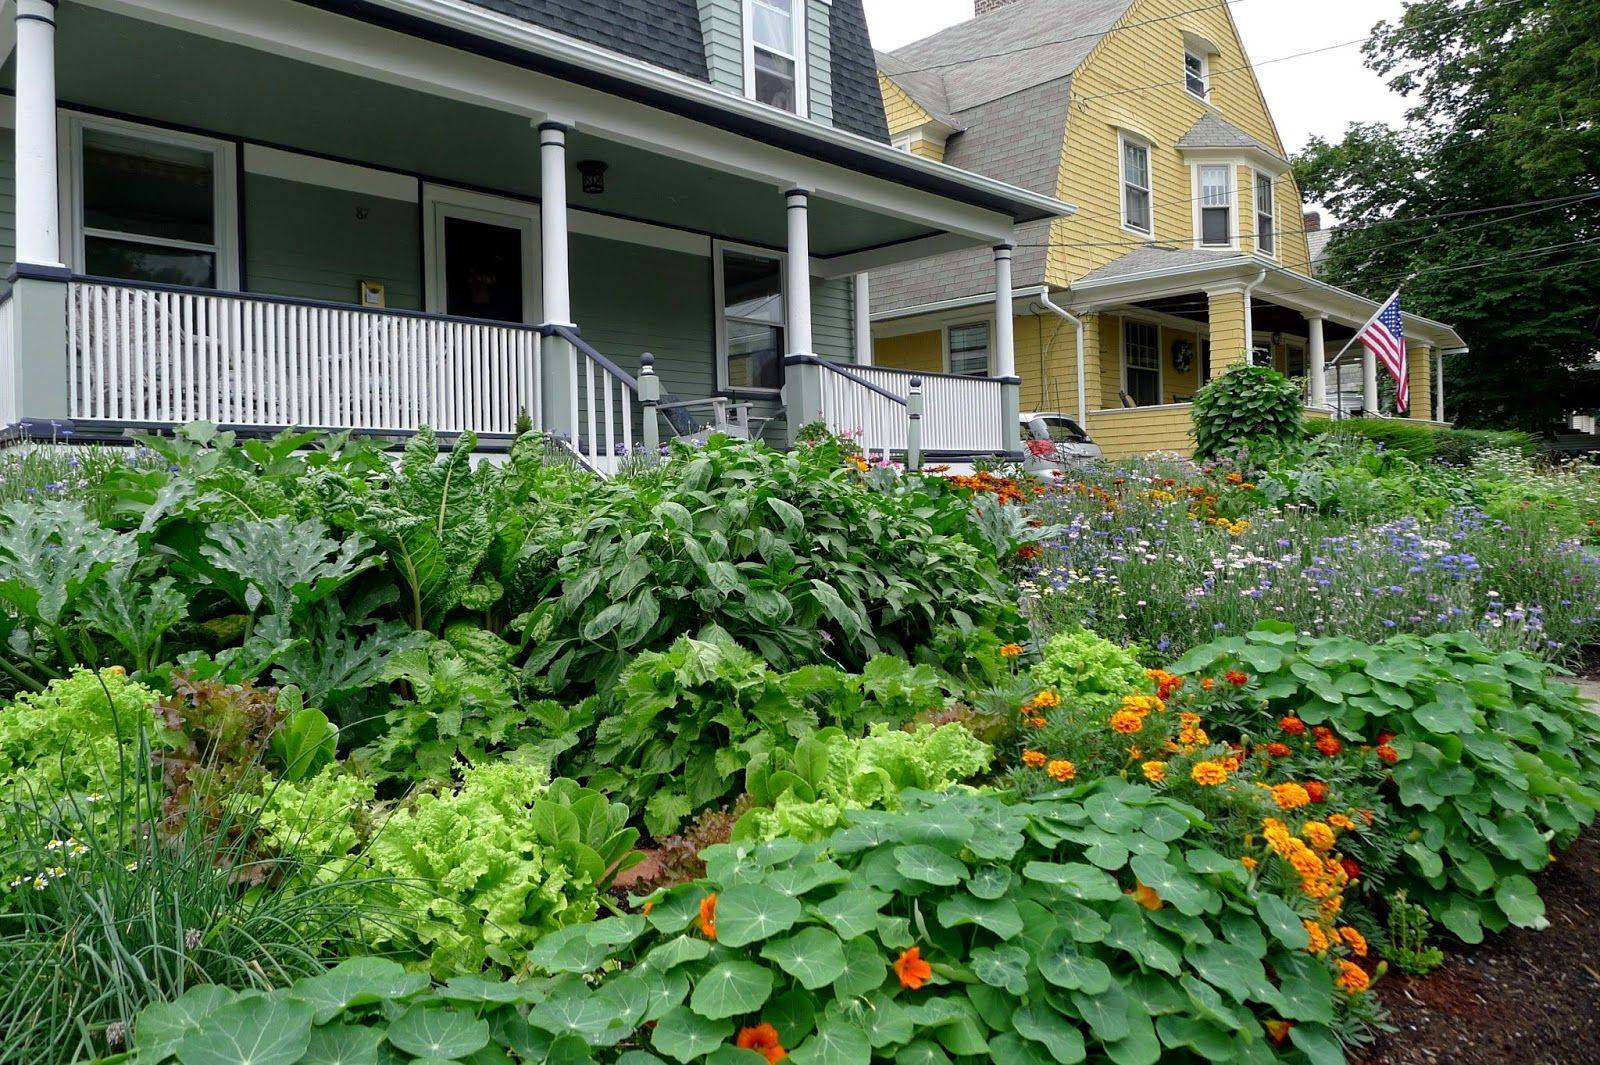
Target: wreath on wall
<point>1182,355</point>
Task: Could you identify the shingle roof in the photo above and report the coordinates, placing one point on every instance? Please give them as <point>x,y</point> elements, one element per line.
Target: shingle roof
<point>925,87</point>
<point>1016,47</point>
<point>666,33</point>
<point>1214,131</point>
<point>1317,245</point>
<point>1157,257</point>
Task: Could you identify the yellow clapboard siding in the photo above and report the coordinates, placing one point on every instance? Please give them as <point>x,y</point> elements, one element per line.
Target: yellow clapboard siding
<point>900,109</point>
<point>910,351</point>
<point>1419,366</point>
<point>1141,430</point>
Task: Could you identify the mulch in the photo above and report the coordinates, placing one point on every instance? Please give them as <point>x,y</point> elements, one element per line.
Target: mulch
<point>1520,997</point>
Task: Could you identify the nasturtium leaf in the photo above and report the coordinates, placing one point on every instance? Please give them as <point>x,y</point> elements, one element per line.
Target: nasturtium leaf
<point>732,1055</point>
<point>929,865</point>
<point>990,882</point>
<point>356,982</point>
<point>1139,1047</point>
<point>1283,922</point>
<point>1112,814</point>
<point>1318,1044</point>
<point>1040,1023</point>
<point>998,916</point>
<point>343,1044</point>
<point>865,969</point>
<point>731,988</point>
<point>1063,964</point>
<point>1076,879</point>
<point>1205,860</point>
<point>836,1041</point>
<point>1519,900</point>
<point>1228,968</point>
<point>425,1031</point>
<point>676,909</point>
<point>162,1025</point>
<point>941,825</point>
<point>261,1031</point>
<point>572,1008</point>
<point>1464,919</point>
<point>1108,1012</point>
<point>1005,966</point>
<point>638,1057</point>
<point>1305,988</point>
<point>1176,888</point>
<point>888,1023</point>
<point>801,879</point>
<point>471,988</point>
<point>1164,823</point>
<point>852,912</point>
<point>581,948</point>
<point>922,1052</point>
<point>677,951</point>
<point>684,1035</point>
<point>1011,1048</point>
<point>753,912</point>
<point>1082,921</point>
<point>813,956</point>
<point>1212,1042</point>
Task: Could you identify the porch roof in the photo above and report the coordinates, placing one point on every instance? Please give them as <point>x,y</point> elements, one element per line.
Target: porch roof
<point>1155,272</point>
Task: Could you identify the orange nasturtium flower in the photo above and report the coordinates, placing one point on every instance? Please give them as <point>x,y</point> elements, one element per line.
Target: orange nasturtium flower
<point>1146,896</point>
<point>911,969</point>
<point>708,916</point>
<point>1061,770</point>
<point>1278,1030</point>
<point>1033,759</point>
<point>763,1039</point>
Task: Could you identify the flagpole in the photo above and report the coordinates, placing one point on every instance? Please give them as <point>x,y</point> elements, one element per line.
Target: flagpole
<point>1363,328</point>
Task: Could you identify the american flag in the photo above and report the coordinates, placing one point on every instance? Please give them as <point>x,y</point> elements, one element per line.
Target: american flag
<point>1385,337</point>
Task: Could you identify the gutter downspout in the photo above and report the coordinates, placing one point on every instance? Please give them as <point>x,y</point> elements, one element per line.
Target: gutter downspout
<point>1077,325</point>
<point>1250,317</point>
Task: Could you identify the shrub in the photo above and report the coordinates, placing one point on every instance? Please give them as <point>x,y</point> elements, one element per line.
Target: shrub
<point>1252,407</point>
<point>1421,442</point>
<point>1493,764</point>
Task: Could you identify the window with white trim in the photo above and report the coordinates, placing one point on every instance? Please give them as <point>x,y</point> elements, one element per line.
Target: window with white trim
<point>1141,362</point>
<point>774,57</point>
<point>901,143</point>
<point>151,206</point>
<point>969,349</point>
<point>1266,217</point>
<point>1216,204</point>
<point>1136,185</point>
<point>750,288</point>
<point>1197,73</point>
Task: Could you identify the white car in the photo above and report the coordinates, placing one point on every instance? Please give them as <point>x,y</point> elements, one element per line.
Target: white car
<point>1052,439</point>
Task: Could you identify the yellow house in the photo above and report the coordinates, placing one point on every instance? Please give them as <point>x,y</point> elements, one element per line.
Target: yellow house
<point>1188,253</point>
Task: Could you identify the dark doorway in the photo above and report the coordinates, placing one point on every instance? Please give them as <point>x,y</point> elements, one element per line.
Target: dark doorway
<point>482,270</point>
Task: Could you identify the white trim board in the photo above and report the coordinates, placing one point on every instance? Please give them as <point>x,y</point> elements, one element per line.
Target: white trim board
<point>313,170</point>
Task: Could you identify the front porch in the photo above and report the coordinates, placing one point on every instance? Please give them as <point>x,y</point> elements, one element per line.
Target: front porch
<point>268,215</point>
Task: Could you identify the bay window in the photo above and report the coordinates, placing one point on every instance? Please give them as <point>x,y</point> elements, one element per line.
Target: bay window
<point>1216,204</point>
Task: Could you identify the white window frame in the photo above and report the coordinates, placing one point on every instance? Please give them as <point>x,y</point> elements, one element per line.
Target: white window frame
<point>987,322</point>
<point>720,308</point>
<point>1124,141</point>
<point>1122,357</point>
<point>1257,177</point>
<point>225,190</point>
<point>441,202</point>
<point>901,142</point>
<point>799,18</point>
<point>1192,52</point>
<point>1232,170</point>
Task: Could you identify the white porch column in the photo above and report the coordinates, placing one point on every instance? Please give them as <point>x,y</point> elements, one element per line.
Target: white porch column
<point>863,308</point>
<point>560,360</point>
<point>802,379</point>
<point>1316,362</point>
<point>38,213</point>
<point>1005,349</point>
<point>1438,386</point>
<point>1369,381</point>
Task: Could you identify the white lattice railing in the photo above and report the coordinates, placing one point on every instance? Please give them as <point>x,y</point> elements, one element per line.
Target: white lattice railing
<point>149,354</point>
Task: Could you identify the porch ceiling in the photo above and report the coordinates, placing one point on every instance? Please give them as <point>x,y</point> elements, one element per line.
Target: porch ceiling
<point>142,70</point>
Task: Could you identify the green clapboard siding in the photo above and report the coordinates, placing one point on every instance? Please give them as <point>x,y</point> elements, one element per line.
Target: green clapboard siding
<point>722,29</point>
<point>8,203</point>
<point>312,242</point>
<point>833,333</point>
<point>819,67</point>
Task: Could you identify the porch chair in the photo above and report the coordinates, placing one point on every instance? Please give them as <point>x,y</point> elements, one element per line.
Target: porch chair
<point>685,426</point>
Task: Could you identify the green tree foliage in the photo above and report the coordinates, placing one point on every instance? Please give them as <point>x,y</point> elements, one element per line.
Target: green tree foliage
<point>1506,97</point>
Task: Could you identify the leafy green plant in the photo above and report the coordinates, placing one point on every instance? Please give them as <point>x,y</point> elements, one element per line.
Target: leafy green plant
<point>1421,442</point>
<point>70,738</point>
<point>1406,947</point>
<point>1493,763</point>
<point>1252,407</point>
<point>1089,672</point>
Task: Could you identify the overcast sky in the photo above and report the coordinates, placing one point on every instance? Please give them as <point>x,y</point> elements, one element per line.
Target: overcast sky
<point>1319,94</point>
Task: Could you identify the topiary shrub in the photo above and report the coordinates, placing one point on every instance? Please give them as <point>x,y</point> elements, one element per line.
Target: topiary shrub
<point>1249,406</point>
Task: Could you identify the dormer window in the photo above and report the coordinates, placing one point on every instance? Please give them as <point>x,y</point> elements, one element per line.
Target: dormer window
<point>774,73</point>
<point>1197,73</point>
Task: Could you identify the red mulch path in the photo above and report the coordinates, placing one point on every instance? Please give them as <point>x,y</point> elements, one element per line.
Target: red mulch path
<point>1521,997</point>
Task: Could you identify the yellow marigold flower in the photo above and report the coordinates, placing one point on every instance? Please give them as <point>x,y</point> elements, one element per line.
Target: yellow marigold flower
<point>1142,704</point>
<point>1248,862</point>
<point>1304,859</point>
<point>1208,774</point>
<point>1062,770</point>
<point>1033,759</point>
<point>1231,763</point>
<point>1331,906</point>
<point>1341,822</point>
<point>1187,719</point>
<point>1193,738</point>
<point>1047,699</point>
<point>1316,887</point>
<point>1146,896</point>
<point>1037,722</point>
<point>1135,753</point>
<point>1319,835</point>
<point>1352,977</point>
<point>1319,938</point>
<point>1290,796</point>
<point>1356,941</point>
<point>1126,722</point>
<point>1155,772</point>
<point>1011,650</point>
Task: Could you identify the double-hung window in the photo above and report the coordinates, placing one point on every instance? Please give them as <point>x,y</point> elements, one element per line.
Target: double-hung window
<point>1196,73</point>
<point>752,320</point>
<point>1266,225</point>
<point>1141,361</point>
<point>1216,204</point>
<point>1136,207</point>
<point>149,206</point>
<point>969,349</point>
<point>774,56</point>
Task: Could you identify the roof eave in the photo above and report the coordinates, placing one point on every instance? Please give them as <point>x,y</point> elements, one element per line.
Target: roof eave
<point>529,45</point>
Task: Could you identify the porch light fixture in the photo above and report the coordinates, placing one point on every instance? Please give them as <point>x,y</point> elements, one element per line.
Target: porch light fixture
<point>593,172</point>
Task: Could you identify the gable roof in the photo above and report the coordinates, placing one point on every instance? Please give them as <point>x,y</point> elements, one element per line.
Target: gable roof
<point>667,34</point>
<point>1019,46</point>
<point>1214,131</point>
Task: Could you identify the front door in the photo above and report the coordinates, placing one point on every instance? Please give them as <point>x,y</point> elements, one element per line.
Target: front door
<point>482,257</point>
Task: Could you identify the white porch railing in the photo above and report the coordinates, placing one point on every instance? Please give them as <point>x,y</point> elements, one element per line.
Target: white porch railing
<point>862,409</point>
<point>601,404</point>
<point>962,414</point>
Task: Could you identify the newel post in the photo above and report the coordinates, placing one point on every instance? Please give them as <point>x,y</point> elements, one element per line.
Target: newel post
<point>914,426</point>
<point>649,397</point>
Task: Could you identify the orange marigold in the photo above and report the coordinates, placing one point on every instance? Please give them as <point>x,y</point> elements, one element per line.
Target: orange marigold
<point>1289,796</point>
<point>1037,722</point>
<point>1155,772</point>
<point>763,1039</point>
<point>1187,719</point>
<point>1061,770</point>
<point>1248,862</point>
<point>1357,941</point>
<point>1341,822</point>
<point>1142,704</point>
<point>1352,977</point>
<point>1208,774</point>
<point>1192,738</point>
<point>1330,745</point>
<point>1292,725</point>
<point>1317,790</point>
<point>1319,835</point>
<point>1236,678</point>
<point>912,970</point>
<point>1207,683</point>
<point>1278,750</point>
<point>1011,650</point>
<point>1126,722</point>
<point>1047,699</point>
<point>1388,754</point>
<point>708,916</point>
<point>1317,936</point>
<point>1033,759</point>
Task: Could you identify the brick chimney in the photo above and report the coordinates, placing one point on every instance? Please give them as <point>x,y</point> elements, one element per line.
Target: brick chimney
<point>1313,221</point>
<point>983,7</point>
